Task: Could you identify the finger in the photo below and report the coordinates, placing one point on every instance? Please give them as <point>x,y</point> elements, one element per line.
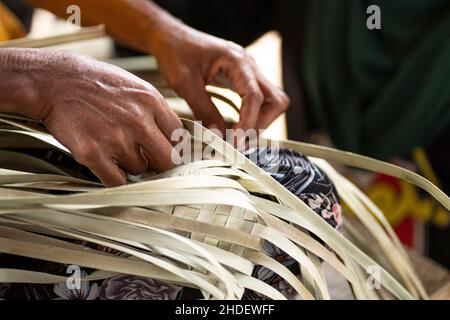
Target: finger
<point>99,161</point>
<point>108,172</point>
<point>167,120</point>
<point>194,92</point>
<point>157,149</point>
<point>275,104</point>
<point>133,161</point>
<point>243,78</point>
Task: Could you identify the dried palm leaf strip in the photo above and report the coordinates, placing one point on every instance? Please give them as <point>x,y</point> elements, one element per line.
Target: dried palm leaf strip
<point>87,33</point>
<point>315,223</point>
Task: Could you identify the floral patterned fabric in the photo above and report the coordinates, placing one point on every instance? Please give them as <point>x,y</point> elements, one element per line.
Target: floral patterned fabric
<point>304,179</point>
<point>294,171</point>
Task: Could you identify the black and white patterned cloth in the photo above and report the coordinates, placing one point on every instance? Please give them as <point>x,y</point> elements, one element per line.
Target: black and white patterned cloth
<point>310,184</point>
<point>303,178</point>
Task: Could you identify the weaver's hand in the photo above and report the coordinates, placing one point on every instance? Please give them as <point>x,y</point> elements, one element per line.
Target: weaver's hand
<point>190,59</point>
<point>109,119</point>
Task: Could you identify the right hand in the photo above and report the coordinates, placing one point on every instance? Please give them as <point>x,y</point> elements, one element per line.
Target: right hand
<point>111,120</point>
<point>189,60</point>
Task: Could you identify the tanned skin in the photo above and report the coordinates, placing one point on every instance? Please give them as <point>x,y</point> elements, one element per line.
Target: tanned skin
<point>109,119</point>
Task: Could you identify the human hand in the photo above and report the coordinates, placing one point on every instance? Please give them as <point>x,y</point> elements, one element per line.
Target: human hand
<point>109,119</point>
<point>190,60</point>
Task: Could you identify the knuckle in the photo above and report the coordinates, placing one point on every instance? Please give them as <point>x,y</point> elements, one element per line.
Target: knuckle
<point>175,124</point>
<point>141,126</point>
<point>279,100</point>
<point>236,55</point>
<point>256,96</point>
<point>141,111</point>
<point>235,48</point>
<point>148,95</point>
<point>284,102</point>
<point>116,142</point>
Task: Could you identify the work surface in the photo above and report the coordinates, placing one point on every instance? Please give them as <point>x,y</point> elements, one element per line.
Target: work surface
<point>435,278</point>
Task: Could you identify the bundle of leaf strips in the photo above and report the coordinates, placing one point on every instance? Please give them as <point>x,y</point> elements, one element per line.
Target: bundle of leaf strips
<point>200,225</point>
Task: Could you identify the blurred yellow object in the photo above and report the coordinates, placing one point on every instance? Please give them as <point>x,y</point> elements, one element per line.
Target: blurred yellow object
<point>10,26</point>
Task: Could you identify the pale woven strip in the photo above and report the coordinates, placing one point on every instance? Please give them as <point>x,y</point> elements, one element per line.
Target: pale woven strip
<point>235,215</point>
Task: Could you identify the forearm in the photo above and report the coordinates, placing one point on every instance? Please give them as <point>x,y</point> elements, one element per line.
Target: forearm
<point>138,23</point>
<point>19,90</point>
<point>26,78</point>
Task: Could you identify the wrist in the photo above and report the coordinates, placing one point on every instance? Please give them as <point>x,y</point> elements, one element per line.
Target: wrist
<point>20,89</point>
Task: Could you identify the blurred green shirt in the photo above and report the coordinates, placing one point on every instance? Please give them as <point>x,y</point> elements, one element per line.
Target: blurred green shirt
<point>379,92</point>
